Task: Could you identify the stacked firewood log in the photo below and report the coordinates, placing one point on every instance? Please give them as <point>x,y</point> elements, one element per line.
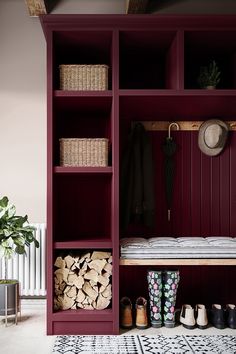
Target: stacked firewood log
<point>83,281</point>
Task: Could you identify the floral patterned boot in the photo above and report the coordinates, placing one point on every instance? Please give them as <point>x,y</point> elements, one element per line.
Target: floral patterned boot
<point>170,286</point>
<point>155,293</point>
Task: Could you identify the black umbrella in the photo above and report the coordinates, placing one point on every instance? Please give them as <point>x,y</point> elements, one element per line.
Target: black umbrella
<point>169,149</point>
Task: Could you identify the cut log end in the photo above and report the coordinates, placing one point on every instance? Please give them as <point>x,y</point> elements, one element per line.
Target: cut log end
<point>83,282</point>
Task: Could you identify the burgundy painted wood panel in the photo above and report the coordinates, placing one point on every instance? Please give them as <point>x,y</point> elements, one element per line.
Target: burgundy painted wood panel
<point>195,186</point>
<point>215,196</point>
<point>83,327</point>
<point>205,195</point>
<point>225,175</point>
<point>115,184</point>
<point>186,219</point>
<point>232,185</point>
<point>178,105</point>
<point>202,196</point>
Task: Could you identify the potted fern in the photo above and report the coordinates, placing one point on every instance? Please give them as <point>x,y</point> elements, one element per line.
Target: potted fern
<point>15,235</point>
<point>209,76</point>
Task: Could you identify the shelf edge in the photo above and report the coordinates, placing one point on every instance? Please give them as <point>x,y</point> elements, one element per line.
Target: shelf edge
<point>61,169</point>
<point>193,261</point>
<point>83,244</point>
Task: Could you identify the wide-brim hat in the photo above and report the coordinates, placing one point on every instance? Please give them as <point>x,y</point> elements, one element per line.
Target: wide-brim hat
<point>212,136</point>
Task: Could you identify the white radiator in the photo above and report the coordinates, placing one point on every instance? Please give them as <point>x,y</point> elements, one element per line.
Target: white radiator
<point>29,269</point>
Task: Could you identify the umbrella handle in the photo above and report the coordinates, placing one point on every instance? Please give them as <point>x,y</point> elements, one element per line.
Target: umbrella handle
<point>171,125</point>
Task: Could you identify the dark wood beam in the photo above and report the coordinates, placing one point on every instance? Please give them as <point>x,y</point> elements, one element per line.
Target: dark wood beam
<point>136,6</point>
<point>36,7</point>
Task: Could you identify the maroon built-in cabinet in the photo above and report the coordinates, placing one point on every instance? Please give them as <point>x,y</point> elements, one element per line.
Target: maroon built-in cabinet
<point>153,67</point>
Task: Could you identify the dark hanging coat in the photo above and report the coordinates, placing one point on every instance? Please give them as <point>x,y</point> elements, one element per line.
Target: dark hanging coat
<point>137,189</point>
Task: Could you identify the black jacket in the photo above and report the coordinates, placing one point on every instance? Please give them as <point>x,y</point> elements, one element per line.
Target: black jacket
<point>137,190</point>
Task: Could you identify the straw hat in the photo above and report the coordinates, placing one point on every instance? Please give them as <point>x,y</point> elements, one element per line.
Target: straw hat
<point>212,136</point>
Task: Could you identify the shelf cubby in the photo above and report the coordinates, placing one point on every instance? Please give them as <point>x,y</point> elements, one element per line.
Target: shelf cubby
<point>81,116</point>
<point>203,46</point>
<point>74,218</point>
<point>77,267</point>
<point>87,47</point>
<point>146,60</point>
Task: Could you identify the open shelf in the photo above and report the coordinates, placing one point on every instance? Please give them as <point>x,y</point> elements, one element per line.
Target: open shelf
<point>77,116</point>
<point>201,47</point>
<point>87,212</point>
<point>155,69</point>
<point>90,47</point>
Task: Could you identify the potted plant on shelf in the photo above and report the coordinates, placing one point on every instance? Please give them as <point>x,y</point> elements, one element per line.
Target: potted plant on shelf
<point>209,76</point>
<point>15,235</point>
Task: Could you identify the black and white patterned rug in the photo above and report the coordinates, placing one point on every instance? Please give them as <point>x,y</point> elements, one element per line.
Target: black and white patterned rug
<point>158,344</point>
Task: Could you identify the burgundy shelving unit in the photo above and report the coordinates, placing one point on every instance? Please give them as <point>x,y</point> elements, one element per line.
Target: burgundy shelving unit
<point>153,67</point>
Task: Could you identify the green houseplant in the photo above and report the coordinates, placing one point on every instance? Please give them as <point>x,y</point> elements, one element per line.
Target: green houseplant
<point>209,76</point>
<point>15,235</point>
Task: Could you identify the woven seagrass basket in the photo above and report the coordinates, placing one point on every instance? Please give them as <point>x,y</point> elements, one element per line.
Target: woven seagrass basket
<point>84,77</point>
<point>84,152</point>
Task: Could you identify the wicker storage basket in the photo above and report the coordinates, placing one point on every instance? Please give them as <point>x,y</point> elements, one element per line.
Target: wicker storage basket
<point>84,152</point>
<point>84,77</point>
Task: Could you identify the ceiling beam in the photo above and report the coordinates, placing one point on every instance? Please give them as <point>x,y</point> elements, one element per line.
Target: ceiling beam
<point>36,7</point>
<point>136,6</point>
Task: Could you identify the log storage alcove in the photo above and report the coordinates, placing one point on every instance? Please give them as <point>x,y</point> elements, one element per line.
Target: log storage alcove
<point>83,281</point>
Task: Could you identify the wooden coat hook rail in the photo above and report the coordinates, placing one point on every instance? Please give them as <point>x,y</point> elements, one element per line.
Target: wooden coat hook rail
<point>183,125</point>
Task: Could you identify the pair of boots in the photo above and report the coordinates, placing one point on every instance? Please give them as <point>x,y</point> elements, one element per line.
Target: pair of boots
<point>126,316</point>
<point>162,287</point>
<point>191,318</point>
<point>223,317</point>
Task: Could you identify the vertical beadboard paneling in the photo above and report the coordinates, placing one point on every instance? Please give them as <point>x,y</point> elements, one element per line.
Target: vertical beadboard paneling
<point>176,219</point>
<point>157,155</point>
<point>224,192</point>
<point>204,199</point>
<point>233,184</point>
<point>205,195</point>
<point>195,185</point>
<point>164,229</point>
<point>204,190</point>
<point>186,184</point>
<point>215,195</point>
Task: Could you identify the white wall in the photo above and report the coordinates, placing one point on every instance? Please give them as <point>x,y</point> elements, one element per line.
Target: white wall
<point>23,101</point>
<point>23,93</point>
<point>22,110</point>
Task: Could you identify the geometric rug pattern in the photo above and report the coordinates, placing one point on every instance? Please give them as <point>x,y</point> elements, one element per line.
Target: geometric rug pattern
<point>140,344</point>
